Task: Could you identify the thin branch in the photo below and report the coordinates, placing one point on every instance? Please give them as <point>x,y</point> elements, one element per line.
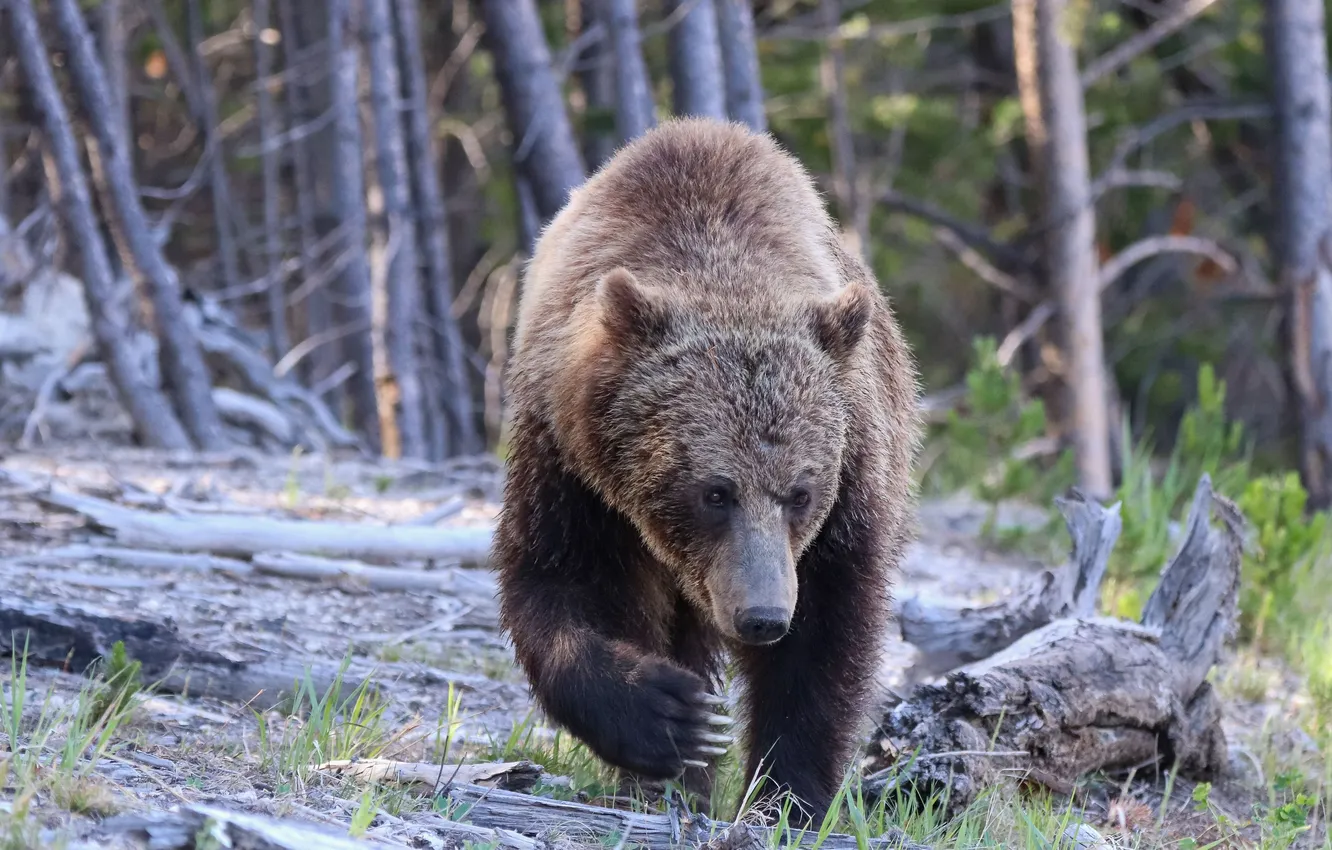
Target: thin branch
<point>1143,249</point>
<point>972,235</point>
<point>983,268</point>
<point>1112,270</point>
<point>1142,136</point>
<point>1158,32</point>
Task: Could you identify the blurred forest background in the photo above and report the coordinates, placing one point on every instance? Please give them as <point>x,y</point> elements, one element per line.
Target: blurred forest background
<point>302,222</point>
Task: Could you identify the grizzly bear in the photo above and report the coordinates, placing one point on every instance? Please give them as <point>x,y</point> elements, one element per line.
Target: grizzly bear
<point>713,419</point>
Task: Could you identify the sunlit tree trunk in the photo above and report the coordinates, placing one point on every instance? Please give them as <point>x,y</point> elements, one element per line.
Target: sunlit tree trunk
<point>1052,101</point>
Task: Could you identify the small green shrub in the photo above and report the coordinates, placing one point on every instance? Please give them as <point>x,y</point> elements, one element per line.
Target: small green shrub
<point>1286,537</point>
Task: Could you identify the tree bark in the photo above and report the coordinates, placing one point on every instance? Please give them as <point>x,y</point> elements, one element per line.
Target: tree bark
<point>153,418</point>
<point>205,112</point>
<point>349,207</point>
<point>394,181</point>
<point>544,148</point>
<point>461,435</point>
<point>596,72</point>
<point>1297,55</point>
<point>181,360</point>
<point>324,360</point>
<point>635,108</point>
<point>846,178</point>
<point>739,49</point>
<point>1052,101</point>
<point>278,338</point>
<point>113,36</point>
<point>696,62</point>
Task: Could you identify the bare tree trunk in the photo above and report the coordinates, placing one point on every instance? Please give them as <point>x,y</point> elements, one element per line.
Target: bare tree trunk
<point>182,360</point>
<point>206,115</point>
<point>278,339</point>
<point>324,360</point>
<point>545,150</point>
<point>696,63</point>
<point>597,74</point>
<point>450,355</point>
<point>153,418</point>
<point>1297,53</point>
<point>113,37</point>
<point>635,109</point>
<point>349,206</point>
<point>1067,220</point>
<point>403,281</point>
<point>846,181</point>
<point>739,49</point>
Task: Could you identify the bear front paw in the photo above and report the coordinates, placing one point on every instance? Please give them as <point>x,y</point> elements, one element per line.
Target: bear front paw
<point>671,723</point>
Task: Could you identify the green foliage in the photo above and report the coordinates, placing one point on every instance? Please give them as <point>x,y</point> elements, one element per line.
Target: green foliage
<point>1287,538</point>
<point>119,686</point>
<point>323,727</point>
<point>979,443</point>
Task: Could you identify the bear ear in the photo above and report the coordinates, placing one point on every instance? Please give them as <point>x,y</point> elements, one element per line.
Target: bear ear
<point>840,322</point>
<point>629,311</point>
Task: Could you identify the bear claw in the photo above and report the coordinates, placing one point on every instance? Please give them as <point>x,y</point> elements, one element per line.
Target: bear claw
<point>714,738</point>
<point>711,699</point>
<point>716,719</point>
<point>695,763</point>
<point>712,751</point>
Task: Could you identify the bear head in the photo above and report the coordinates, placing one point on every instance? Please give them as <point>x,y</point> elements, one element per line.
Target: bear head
<point>725,436</point>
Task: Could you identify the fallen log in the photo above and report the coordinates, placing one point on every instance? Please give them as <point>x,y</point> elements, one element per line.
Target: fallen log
<point>74,638</point>
<point>454,580</point>
<point>1082,694</point>
<point>482,816</point>
<point>949,635</point>
<point>541,817</point>
<point>250,535</point>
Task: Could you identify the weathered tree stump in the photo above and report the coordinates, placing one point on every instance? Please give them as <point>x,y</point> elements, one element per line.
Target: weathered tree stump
<point>1082,693</point>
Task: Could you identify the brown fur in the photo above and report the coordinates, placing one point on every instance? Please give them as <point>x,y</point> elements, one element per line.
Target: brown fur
<point>691,316</point>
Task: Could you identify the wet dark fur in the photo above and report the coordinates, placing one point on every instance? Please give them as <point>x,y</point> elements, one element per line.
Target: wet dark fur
<point>616,410</point>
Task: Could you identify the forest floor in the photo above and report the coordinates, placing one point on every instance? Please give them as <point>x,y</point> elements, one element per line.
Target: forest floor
<point>445,675</point>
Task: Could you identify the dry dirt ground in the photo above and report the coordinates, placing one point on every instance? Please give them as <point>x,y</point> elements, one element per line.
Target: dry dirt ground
<point>415,644</point>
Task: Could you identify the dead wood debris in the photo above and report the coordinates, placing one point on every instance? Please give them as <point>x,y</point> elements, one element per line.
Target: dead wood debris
<point>947,635</point>
<point>1083,694</point>
<point>251,535</point>
<point>74,637</point>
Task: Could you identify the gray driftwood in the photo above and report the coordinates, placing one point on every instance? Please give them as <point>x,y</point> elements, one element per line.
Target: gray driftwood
<point>75,637</point>
<point>540,817</point>
<point>250,535</point>
<point>203,827</point>
<point>1084,694</point>
<point>950,635</point>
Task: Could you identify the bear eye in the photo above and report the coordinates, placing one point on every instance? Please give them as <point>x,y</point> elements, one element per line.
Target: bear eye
<point>800,498</point>
<point>716,496</point>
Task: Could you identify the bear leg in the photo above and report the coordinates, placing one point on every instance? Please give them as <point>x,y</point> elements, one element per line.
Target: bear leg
<point>590,622</point>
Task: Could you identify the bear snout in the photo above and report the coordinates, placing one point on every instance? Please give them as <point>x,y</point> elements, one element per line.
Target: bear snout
<point>761,625</point>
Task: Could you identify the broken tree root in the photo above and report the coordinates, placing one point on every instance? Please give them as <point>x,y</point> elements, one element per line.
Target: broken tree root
<point>949,635</point>
<point>1083,694</point>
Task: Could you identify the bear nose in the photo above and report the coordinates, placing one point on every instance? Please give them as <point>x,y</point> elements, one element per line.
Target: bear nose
<point>761,625</point>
